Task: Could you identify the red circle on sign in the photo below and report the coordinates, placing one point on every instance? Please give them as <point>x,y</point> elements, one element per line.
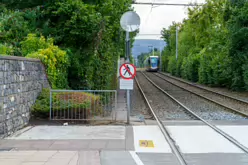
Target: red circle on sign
<point>133,75</point>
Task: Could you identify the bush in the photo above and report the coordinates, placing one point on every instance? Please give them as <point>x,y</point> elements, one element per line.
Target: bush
<point>6,49</point>
<point>178,66</point>
<point>172,65</point>
<point>55,60</point>
<point>32,43</point>
<point>203,71</point>
<point>78,103</point>
<point>13,29</point>
<point>190,67</point>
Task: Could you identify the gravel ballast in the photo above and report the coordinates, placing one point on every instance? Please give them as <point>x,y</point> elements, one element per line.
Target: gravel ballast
<point>138,104</point>
<point>216,97</point>
<point>164,107</point>
<point>205,109</point>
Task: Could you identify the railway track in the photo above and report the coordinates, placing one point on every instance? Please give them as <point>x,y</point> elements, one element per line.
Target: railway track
<point>164,107</point>
<point>187,111</point>
<point>231,103</point>
<point>165,132</point>
<point>200,105</point>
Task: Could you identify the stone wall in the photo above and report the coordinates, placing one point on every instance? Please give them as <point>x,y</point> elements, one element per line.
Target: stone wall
<point>21,81</point>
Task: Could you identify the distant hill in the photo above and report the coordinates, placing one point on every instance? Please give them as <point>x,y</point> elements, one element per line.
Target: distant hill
<point>141,46</point>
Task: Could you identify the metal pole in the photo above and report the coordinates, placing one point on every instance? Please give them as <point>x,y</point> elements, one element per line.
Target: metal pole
<point>153,50</point>
<point>128,91</point>
<point>160,57</point>
<point>176,42</point>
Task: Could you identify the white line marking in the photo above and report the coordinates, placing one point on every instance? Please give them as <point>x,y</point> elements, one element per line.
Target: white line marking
<point>136,158</point>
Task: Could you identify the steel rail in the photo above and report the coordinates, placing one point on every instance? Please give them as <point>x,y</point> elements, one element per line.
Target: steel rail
<point>218,93</point>
<point>225,135</point>
<point>164,130</point>
<point>220,104</point>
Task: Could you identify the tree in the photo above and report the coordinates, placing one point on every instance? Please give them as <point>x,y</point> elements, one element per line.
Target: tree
<point>89,31</point>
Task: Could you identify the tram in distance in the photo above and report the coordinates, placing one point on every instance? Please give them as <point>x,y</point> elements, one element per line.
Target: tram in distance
<point>151,64</point>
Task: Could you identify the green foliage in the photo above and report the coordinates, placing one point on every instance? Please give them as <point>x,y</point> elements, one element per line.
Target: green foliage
<point>55,59</point>
<point>89,32</point>
<point>41,108</point>
<point>32,43</point>
<point>6,49</point>
<point>172,65</point>
<point>64,101</point>
<point>13,29</point>
<point>142,57</point>
<point>213,45</point>
<point>190,67</point>
<point>237,24</point>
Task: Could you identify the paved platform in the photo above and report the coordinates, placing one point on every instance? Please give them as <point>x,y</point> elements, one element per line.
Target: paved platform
<point>71,138</point>
<point>70,132</point>
<point>122,145</point>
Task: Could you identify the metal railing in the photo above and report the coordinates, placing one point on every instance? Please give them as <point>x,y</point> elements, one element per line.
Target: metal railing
<point>83,104</point>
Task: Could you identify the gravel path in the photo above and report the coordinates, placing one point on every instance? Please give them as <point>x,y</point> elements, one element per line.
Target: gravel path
<point>202,107</point>
<point>163,106</point>
<point>221,99</point>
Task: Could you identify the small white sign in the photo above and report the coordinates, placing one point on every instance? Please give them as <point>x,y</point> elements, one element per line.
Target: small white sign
<point>126,84</point>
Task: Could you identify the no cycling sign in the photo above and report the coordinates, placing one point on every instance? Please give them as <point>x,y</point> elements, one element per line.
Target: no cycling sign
<point>127,71</point>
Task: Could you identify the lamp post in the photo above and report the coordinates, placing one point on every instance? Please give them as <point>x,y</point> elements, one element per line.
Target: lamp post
<point>152,49</point>
<point>176,42</point>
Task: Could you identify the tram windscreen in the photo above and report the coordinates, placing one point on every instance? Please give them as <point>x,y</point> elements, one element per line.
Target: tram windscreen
<point>154,60</point>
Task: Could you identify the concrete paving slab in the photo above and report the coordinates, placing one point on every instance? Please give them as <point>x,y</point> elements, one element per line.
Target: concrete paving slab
<point>129,138</point>
<point>217,159</point>
<point>72,132</point>
<point>39,157</point>
<point>98,144</point>
<point>89,158</point>
<point>10,162</point>
<point>158,159</point>
<point>116,157</point>
<point>116,145</point>
<point>42,144</point>
<point>237,132</point>
<point>33,163</point>
<point>201,139</point>
<point>17,144</point>
<point>70,145</point>
<point>152,133</point>
<point>74,160</point>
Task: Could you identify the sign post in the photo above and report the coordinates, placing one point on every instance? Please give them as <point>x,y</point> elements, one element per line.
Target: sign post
<point>127,73</point>
<point>130,22</point>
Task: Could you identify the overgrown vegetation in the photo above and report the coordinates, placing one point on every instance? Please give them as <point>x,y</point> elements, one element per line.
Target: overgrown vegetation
<point>86,33</point>
<point>213,45</point>
<point>79,41</point>
<point>79,104</point>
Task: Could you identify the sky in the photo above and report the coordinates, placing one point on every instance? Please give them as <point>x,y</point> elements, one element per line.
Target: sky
<point>154,19</point>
